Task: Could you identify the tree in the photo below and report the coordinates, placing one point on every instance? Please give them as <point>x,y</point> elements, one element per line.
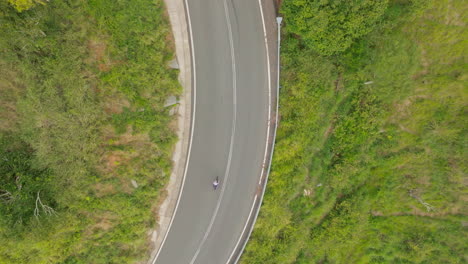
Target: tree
<point>22,5</point>
<point>331,26</point>
<point>21,184</point>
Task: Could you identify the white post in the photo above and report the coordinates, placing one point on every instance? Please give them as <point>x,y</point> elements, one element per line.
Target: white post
<point>278,21</point>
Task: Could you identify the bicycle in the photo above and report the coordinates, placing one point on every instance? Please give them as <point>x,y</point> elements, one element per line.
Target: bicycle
<point>215,183</point>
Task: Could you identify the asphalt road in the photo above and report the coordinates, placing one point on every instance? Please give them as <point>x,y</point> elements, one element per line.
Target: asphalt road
<point>229,133</point>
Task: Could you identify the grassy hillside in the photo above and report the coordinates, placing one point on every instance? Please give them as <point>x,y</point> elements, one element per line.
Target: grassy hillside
<point>370,164</point>
<point>82,92</point>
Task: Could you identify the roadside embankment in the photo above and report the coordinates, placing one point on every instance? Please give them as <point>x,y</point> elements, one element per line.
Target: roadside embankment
<point>178,20</point>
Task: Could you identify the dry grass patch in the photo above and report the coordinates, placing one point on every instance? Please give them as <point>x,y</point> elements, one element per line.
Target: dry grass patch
<point>112,160</point>
<point>102,221</point>
<point>103,189</point>
<point>99,55</point>
<point>97,49</point>
<point>10,91</point>
<point>115,104</point>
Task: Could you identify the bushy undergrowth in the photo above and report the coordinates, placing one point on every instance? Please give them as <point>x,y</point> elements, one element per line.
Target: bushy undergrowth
<point>82,119</point>
<point>370,161</point>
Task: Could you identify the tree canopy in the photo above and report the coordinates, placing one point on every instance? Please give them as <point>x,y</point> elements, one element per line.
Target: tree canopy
<point>22,5</point>
<point>331,26</point>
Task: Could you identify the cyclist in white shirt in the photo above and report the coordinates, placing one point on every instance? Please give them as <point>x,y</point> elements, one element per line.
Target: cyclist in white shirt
<point>215,183</point>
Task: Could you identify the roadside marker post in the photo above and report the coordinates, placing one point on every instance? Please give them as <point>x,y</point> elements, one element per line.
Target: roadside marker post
<point>278,21</point>
<point>235,261</point>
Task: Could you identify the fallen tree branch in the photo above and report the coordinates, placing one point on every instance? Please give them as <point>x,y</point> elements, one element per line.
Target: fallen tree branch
<point>47,209</point>
<point>413,194</point>
<point>6,196</point>
<point>18,182</point>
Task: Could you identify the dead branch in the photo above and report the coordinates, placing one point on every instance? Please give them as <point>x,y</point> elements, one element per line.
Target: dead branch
<point>17,182</point>
<point>413,194</point>
<point>6,196</point>
<point>39,205</point>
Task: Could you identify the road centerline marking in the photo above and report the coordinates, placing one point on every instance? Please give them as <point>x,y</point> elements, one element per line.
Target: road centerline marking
<point>265,37</point>
<point>233,131</point>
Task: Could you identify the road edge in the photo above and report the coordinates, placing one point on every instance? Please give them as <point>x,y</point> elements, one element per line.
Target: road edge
<point>269,14</point>
<point>180,31</point>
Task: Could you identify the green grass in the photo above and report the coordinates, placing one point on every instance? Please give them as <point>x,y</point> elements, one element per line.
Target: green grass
<point>371,173</point>
<point>82,89</point>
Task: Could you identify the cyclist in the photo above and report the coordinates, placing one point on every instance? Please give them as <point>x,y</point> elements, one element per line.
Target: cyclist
<point>215,183</point>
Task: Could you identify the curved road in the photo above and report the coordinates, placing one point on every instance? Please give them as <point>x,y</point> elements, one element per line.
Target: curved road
<point>229,132</point>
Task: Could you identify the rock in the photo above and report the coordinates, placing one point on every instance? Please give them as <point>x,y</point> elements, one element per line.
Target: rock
<point>171,100</point>
<point>174,64</point>
<point>135,184</point>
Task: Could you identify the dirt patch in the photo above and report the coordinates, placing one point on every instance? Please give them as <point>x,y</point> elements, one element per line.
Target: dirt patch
<point>97,49</point>
<point>376,213</point>
<point>103,224</point>
<point>103,189</point>
<point>339,83</point>
<point>126,186</point>
<point>126,152</point>
<point>464,198</point>
<point>425,64</point>
<point>8,116</point>
<point>329,130</point>
<point>277,4</point>
<point>170,40</point>
<point>452,17</point>
<point>127,138</point>
<point>423,180</point>
<point>416,212</point>
<point>155,207</point>
<point>98,54</point>
<point>402,109</point>
<point>10,92</point>
<point>407,130</point>
<point>155,212</point>
<point>115,105</point>
<point>112,160</point>
<point>103,221</point>
<point>134,139</point>
<point>173,125</point>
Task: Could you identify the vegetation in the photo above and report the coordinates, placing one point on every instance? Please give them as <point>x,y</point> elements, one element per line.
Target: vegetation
<point>370,160</point>
<point>330,27</point>
<point>85,139</point>
<point>22,5</point>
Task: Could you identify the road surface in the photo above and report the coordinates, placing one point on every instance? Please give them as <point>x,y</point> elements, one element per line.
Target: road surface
<point>229,132</point>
